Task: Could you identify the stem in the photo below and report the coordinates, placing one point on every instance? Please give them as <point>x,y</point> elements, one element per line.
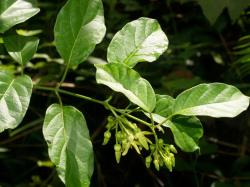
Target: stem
<point>69,93</point>
<point>64,76</point>
<point>134,118</point>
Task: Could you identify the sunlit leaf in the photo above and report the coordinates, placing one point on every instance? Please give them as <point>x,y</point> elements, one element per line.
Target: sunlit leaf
<point>121,78</point>
<point>13,12</point>
<point>79,27</point>
<point>138,41</point>
<point>15,96</point>
<point>70,148</point>
<point>215,99</point>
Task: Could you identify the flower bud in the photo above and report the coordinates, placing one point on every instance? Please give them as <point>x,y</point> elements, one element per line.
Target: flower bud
<point>148,161</point>
<point>172,149</point>
<point>168,162</point>
<point>156,164</point>
<point>117,148</point>
<point>106,139</point>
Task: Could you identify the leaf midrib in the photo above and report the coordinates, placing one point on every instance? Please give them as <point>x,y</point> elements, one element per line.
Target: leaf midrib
<point>180,111</point>
<point>71,51</point>
<point>3,95</point>
<point>131,54</point>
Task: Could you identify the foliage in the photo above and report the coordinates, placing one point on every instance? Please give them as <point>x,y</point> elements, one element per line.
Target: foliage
<point>141,111</point>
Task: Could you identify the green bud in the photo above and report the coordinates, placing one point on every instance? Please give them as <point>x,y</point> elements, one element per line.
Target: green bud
<point>106,139</point>
<point>119,136</point>
<point>118,152</point>
<point>160,142</point>
<point>148,161</point>
<point>152,147</point>
<point>156,164</point>
<point>133,126</point>
<point>168,162</point>
<point>171,155</point>
<point>110,118</point>
<point>125,147</point>
<point>172,149</point>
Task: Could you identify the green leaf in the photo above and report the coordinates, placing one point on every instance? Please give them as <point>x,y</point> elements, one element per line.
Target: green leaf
<point>70,148</point>
<point>138,41</point>
<point>164,105</point>
<point>21,48</point>
<point>215,99</point>
<point>121,78</point>
<point>79,27</point>
<point>213,8</point>
<point>13,12</point>
<point>15,96</point>
<point>187,131</point>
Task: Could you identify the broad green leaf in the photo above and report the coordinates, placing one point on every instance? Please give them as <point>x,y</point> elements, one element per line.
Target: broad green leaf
<point>187,131</point>
<point>21,48</point>
<point>213,8</point>
<point>15,96</point>
<point>121,78</point>
<point>70,148</point>
<point>164,105</point>
<point>79,27</point>
<point>215,100</point>
<point>13,12</point>
<point>138,41</point>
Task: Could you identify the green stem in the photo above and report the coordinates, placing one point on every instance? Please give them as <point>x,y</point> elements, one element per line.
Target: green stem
<point>69,93</point>
<point>64,76</point>
<point>104,103</point>
<point>134,118</point>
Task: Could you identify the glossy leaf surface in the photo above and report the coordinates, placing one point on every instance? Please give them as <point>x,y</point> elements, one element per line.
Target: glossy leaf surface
<point>138,41</point>
<point>70,148</point>
<point>13,12</point>
<point>79,27</point>
<point>21,48</point>
<point>121,78</point>
<point>215,100</point>
<point>15,96</point>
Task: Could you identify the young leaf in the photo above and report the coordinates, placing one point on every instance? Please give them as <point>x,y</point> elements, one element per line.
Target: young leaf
<point>138,41</point>
<point>164,105</point>
<point>70,148</point>
<point>187,131</point>
<point>13,12</point>
<point>215,99</point>
<point>121,78</point>
<point>79,27</point>
<point>15,96</point>
<point>21,48</point>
